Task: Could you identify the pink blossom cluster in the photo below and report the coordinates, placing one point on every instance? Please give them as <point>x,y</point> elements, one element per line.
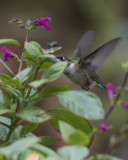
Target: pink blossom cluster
<point>42,22</point>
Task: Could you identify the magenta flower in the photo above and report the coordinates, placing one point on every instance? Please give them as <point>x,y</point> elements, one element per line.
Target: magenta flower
<point>110,90</point>
<point>46,49</point>
<point>125,105</point>
<point>102,127</point>
<point>42,22</point>
<point>7,54</point>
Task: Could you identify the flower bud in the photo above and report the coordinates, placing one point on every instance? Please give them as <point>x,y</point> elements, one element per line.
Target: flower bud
<point>125,105</point>
<point>110,90</point>
<point>102,127</point>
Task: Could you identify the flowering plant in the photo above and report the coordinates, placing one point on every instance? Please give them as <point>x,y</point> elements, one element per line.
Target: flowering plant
<point>20,93</point>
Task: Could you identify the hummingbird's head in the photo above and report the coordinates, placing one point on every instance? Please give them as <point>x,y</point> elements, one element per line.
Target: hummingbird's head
<point>60,58</point>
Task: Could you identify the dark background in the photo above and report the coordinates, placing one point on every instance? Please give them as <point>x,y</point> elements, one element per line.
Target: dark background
<point>70,19</point>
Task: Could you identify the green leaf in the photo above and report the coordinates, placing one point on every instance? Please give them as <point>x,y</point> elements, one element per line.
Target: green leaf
<point>73,152</point>
<point>9,41</point>
<point>3,110</point>
<point>47,141</point>
<point>45,65</point>
<point>51,74</point>
<point>78,138</point>
<point>13,106</point>
<point>32,49</point>
<point>33,115</point>
<point>7,100</point>
<point>54,71</point>
<point>54,49</point>
<point>46,61</point>
<point>23,75</point>
<point>72,135</point>
<point>51,91</point>
<point>28,57</point>
<point>28,128</point>
<point>13,150</point>
<point>12,83</point>
<point>3,129</point>
<point>38,83</point>
<point>5,65</point>
<point>47,152</point>
<point>48,57</point>
<point>2,101</point>
<point>75,121</point>
<point>3,132</point>
<point>65,130</point>
<point>5,120</point>
<point>1,157</point>
<point>81,103</point>
<point>16,134</point>
<point>37,45</point>
<point>12,91</point>
<point>4,77</point>
<point>103,157</point>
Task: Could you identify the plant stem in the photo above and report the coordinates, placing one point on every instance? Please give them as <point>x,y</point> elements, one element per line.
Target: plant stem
<point>9,134</point>
<point>21,64</point>
<point>118,97</point>
<point>20,67</point>
<point>34,77</point>
<point>12,127</point>
<point>26,40</point>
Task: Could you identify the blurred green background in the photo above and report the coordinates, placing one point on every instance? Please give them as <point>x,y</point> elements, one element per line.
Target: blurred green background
<point>71,19</point>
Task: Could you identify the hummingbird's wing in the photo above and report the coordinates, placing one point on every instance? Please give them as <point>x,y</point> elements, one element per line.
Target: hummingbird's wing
<point>84,46</point>
<point>97,57</point>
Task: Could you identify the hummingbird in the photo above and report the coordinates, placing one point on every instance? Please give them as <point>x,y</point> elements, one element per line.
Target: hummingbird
<point>81,69</point>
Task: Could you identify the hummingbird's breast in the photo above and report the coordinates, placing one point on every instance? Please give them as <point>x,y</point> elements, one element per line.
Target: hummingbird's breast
<point>78,76</point>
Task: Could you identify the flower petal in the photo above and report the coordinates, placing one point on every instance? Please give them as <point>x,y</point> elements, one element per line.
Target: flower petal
<point>7,53</point>
<point>6,50</point>
<point>102,127</point>
<point>125,105</point>
<point>110,90</point>
<point>46,26</point>
<point>47,19</point>
<point>42,22</point>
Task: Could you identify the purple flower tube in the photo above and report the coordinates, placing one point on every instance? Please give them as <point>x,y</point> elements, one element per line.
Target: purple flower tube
<point>7,54</point>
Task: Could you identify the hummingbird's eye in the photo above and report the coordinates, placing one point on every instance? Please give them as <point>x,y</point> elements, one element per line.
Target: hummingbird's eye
<point>61,58</point>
